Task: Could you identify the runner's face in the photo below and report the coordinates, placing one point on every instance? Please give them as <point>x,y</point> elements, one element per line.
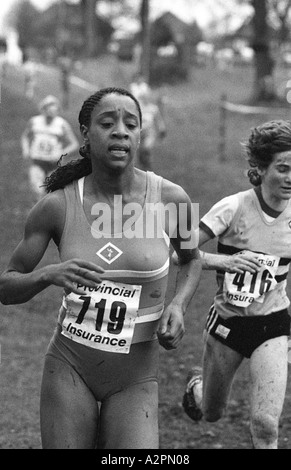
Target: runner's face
<point>51,110</point>
<point>114,131</point>
<point>276,179</point>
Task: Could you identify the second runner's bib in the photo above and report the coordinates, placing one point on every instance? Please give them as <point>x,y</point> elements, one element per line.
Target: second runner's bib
<point>242,289</point>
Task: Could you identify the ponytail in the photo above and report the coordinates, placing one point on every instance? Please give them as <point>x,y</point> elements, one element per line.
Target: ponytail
<point>66,174</point>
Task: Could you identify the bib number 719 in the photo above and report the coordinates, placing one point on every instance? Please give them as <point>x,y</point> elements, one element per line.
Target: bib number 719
<point>116,314</point>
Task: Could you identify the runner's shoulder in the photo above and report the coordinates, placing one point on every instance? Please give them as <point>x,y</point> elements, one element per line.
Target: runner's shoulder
<point>172,192</point>
<point>48,212</point>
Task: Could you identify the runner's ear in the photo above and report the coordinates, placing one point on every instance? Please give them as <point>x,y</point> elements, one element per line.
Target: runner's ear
<point>84,132</point>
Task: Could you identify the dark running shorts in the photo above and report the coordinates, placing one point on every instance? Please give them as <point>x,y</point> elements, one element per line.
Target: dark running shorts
<point>245,334</point>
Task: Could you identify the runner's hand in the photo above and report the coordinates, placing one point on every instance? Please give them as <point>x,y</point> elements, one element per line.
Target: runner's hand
<point>171,328</point>
<point>243,261</point>
<point>72,273</point>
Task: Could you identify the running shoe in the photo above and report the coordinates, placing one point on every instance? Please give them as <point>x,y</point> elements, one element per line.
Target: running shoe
<point>191,399</point>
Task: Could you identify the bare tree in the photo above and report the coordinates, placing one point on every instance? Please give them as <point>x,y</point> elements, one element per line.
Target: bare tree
<point>129,9</point>
<point>89,12</point>
<point>264,64</point>
<point>267,12</point>
<point>145,39</point>
<point>264,89</point>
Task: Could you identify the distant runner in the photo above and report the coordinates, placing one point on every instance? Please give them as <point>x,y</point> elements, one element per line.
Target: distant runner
<point>46,138</point>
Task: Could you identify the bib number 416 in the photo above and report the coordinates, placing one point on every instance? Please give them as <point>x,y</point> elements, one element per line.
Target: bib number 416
<point>261,281</point>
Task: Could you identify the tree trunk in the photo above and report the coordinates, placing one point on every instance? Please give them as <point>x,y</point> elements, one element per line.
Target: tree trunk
<point>264,89</point>
<point>89,8</point>
<point>145,40</point>
<point>60,31</point>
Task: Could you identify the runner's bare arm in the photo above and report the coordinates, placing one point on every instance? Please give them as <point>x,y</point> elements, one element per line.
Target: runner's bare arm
<point>20,281</point>
<point>237,263</point>
<point>171,328</point>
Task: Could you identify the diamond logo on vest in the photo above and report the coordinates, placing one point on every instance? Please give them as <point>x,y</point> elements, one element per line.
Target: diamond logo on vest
<point>109,253</point>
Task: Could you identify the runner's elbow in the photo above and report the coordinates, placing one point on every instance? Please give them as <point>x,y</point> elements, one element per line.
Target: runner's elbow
<point>3,296</point>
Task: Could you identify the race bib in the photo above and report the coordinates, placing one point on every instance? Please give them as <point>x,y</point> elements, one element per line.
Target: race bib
<point>244,289</point>
<point>104,317</point>
<point>45,147</point>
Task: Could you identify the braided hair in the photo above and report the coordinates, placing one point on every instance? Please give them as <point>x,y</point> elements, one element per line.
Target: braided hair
<point>76,169</point>
<point>265,141</point>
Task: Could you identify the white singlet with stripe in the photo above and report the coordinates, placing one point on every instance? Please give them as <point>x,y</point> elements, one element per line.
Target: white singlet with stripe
<point>240,224</point>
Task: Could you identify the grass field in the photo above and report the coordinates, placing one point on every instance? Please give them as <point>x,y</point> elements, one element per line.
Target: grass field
<point>190,157</point>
